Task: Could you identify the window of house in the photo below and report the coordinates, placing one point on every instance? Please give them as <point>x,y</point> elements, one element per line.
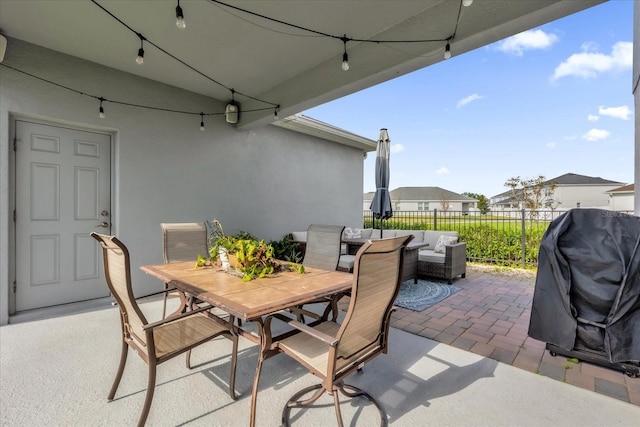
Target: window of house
<point>423,206</point>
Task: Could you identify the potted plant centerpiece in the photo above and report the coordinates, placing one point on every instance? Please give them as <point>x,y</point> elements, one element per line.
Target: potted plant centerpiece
<point>242,254</point>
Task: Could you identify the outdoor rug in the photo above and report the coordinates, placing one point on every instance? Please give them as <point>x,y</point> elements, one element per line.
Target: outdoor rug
<point>424,294</point>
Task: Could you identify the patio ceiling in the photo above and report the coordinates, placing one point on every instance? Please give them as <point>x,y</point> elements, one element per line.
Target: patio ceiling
<point>266,60</point>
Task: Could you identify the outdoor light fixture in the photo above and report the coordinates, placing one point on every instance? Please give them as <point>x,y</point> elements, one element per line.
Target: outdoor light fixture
<point>231,112</point>
<point>202,121</point>
<point>467,3</point>
<point>140,58</point>
<point>447,51</point>
<point>345,55</point>
<point>180,17</point>
<point>101,113</point>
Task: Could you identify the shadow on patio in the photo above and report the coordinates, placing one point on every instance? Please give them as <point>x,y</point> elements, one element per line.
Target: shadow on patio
<point>58,367</point>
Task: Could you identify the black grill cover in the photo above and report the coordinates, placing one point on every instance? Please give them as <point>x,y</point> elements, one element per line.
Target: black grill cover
<point>587,292</point>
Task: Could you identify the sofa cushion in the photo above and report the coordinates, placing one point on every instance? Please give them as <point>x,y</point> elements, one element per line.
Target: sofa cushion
<point>352,233</point>
<point>365,233</point>
<point>418,235</point>
<point>299,236</point>
<point>346,262</point>
<point>386,234</point>
<point>444,241</point>
<point>431,237</point>
<point>427,255</point>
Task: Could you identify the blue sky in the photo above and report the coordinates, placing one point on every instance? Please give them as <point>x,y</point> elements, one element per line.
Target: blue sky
<point>549,101</point>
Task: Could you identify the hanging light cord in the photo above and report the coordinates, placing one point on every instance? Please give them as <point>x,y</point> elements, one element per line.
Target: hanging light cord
<point>334,36</point>
<point>273,104</point>
<point>130,104</point>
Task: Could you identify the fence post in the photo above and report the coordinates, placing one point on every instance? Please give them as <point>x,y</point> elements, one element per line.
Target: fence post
<point>523,240</point>
<point>435,219</point>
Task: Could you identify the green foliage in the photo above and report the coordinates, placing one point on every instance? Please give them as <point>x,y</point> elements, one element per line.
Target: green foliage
<point>287,249</point>
<point>497,240</point>
<point>483,202</point>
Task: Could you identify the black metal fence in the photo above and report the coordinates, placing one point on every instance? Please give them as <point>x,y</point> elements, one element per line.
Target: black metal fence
<point>505,237</point>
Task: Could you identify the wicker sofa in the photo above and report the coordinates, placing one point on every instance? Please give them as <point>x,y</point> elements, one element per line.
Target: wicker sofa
<point>448,265</point>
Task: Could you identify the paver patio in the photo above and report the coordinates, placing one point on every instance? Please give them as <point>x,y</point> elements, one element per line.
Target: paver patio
<point>490,317</point>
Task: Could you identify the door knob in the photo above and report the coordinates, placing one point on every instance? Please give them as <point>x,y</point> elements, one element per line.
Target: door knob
<point>103,224</point>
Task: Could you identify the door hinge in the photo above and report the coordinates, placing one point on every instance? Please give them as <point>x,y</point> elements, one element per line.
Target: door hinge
<point>14,215</point>
<point>14,286</point>
<point>15,144</point>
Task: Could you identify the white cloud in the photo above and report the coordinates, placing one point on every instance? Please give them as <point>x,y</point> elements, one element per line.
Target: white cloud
<point>589,64</point>
<point>623,112</point>
<point>593,118</point>
<point>596,134</point>
<point>570,138</point>
<point>532,39</point>
<point>468,100</point>
<point>396,148</point>
<point>443,171</point>
<point>551,145</point>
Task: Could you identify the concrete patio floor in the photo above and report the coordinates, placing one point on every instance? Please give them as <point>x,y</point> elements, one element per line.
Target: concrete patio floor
<point>57,365</point>
<point>490,317</point>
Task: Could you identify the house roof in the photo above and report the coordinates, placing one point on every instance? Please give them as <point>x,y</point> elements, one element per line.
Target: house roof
<point>424,194</point>
<point>572,179</point>
<point>629,188</point>
<point>310,126</point>
<point>232,45</point>
<point>575,179</point>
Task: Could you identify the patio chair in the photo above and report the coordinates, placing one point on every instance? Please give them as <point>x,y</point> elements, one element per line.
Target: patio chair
<point>182,242</point>
<point>332,351</point>
<point>323,246</point>
<point>160,341</point>
<point>323,252</point>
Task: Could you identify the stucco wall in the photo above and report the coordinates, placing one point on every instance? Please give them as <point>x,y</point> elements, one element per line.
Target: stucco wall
<point>267,181</point>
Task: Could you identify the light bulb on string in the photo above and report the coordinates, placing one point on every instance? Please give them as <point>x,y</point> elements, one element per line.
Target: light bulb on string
<point>140,58</point>
<point>180,17</point>
<point>345,55</point>
<point>467,3</point>
<point>202,121</point>
<point>447,51</point>
<point>101,113</point>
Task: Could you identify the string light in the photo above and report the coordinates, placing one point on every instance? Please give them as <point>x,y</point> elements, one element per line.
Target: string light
<point>140,58</point>
<point>101,113</point>
<point>345,55</point>
<point>201,121</point>
<point>180,17</point>
<point>175,58</point>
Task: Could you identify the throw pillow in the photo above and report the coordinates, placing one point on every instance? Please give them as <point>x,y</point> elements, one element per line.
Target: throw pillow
<point>352,233</point>
<point>444,241</point>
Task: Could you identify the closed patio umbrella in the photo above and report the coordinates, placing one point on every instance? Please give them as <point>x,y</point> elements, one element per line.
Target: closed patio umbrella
<point>381,203</point>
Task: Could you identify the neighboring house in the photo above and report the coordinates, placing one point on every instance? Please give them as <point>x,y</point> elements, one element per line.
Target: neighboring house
<point>571,191</point>
<point>425,199</point>
<point>622,198</point>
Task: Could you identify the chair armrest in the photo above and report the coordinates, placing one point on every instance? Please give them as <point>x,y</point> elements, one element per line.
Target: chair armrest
<point>456,250</point>
<point>332,341</point>
<point>173,319</point>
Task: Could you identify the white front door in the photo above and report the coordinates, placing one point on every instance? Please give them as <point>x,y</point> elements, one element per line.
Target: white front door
<point>63,193</point>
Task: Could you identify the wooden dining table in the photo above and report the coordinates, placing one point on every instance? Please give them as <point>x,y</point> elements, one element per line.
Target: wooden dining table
<point>252,301</point>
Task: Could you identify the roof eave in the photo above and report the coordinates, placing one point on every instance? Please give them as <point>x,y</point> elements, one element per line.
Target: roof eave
<point>309,126</point>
